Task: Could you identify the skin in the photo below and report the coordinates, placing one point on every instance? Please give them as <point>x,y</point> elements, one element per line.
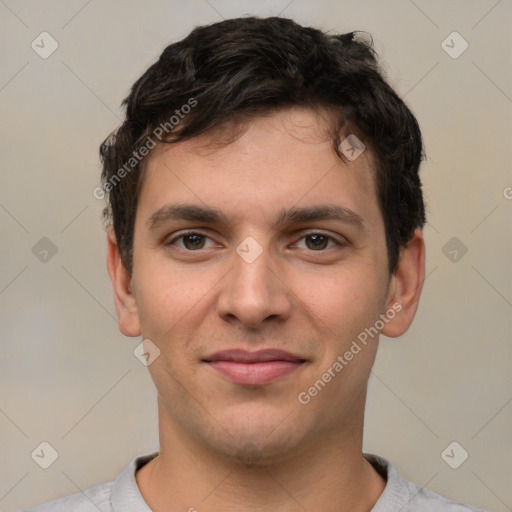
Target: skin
<point>226,446</point>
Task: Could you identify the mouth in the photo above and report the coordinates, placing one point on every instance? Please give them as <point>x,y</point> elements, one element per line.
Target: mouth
<point>254,368</point>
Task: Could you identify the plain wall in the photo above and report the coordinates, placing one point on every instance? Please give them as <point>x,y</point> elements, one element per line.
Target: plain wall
<point>68,377</point>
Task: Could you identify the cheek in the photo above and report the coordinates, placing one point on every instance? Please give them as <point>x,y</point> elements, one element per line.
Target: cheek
<point>169,302</point>
<point>343,307</point>
<point>169,316</point>
<point>346,301</point>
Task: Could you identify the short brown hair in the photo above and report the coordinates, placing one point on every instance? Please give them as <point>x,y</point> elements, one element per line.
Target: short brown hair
<point>250,66</point>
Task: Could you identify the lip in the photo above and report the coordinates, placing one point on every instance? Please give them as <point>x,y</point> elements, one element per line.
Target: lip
<point>254,368</point>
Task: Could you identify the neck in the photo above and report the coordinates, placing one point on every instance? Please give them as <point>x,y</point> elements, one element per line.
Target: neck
<point>326,473</point>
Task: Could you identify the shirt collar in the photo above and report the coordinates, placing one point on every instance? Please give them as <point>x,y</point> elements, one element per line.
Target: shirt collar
<point>125,494</point>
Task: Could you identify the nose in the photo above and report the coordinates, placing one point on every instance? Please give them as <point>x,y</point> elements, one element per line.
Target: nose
<point>254,293</point>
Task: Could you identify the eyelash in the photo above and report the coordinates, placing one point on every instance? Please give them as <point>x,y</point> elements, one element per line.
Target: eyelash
<point>306,235</point>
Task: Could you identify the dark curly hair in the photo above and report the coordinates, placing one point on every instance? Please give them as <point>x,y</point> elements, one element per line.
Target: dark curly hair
<point>244,67</point>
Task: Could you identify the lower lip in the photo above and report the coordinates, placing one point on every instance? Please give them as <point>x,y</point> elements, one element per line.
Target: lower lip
<point>255,374</point>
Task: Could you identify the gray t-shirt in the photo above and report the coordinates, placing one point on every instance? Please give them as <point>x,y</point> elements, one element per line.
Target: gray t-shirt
<point>123,495</point>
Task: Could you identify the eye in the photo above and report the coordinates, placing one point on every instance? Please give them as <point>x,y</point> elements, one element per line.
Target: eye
<point>316,242</point>
<point>192,241</point>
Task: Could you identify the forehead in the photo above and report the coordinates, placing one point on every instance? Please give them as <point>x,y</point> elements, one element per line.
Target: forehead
<point>266,164</point>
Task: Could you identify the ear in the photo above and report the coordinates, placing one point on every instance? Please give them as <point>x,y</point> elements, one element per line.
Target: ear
<point>405,287</point>
<point>126,305</point>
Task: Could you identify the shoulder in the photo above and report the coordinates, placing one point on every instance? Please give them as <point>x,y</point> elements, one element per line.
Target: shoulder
<point>399,494</point>
<point>92,500</point>
<point>424,500</point>
<point>120,495</point>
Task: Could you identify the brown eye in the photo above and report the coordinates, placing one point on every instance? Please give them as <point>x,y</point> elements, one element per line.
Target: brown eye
<point>193,241</point>
<point>316,242</point>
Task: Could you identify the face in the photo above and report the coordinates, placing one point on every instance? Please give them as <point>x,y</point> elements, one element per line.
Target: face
<point>257,265</point>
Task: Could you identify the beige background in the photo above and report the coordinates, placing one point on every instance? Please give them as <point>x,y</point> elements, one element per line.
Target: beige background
<point>68,377</point>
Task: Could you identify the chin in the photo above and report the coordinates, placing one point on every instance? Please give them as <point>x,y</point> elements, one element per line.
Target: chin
<point>259,452</point>
<point>251,454</point>
<point>255,442</point>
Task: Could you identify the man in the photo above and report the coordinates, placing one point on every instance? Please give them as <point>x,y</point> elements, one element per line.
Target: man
<point>265,215</point>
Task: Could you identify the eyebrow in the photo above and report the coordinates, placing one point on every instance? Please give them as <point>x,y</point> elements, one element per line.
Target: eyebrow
<point>315,213</point>
<point>195,213</point>
<point>188,212</point>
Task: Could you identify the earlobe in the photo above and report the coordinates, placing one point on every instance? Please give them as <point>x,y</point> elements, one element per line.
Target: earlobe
<point>406,285</point>
<point>126,305</point>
